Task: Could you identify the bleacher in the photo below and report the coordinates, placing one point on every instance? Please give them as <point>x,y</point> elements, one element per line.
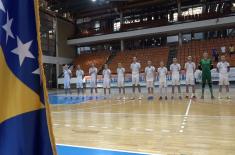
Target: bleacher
<point>143,55</point>
<point>85,60</point>
<point>196,49</point>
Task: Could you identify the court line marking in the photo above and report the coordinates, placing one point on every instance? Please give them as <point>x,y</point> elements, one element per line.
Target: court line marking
<point>183,123</point>
<point>105,149</point>
<point>147,114</point>
<point>188,107</point>
<point>95,107</point>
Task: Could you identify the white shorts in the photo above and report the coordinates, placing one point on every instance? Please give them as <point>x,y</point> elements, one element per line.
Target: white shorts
<point>79,84</point>
<point>135,79</point>
<point>149,84</point>
<point>106,83</point>
<point>162,83</point>
<point>93,84</point>
<point>66,84</point>
<point>175,80</point>
<point>223,80</point>
<point>190,80</point>
<point>120,82</point>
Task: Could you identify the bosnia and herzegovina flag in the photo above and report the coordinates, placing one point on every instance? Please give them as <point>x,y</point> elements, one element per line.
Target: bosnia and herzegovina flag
<point>25,126</point>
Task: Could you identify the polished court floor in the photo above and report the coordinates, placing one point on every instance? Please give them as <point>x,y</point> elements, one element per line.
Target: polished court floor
<point>172,127</point>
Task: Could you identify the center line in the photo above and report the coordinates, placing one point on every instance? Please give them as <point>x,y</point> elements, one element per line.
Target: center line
<point>189,104</point>
<point>186,115</point>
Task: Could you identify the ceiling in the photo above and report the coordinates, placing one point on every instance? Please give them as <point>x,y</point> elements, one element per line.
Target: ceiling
<point>88,8</point>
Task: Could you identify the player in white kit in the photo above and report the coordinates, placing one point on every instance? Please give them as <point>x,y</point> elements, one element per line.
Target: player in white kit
<point>67,76</point>
<point>223,68</point>
<point>80,76</point>
<point>162,73</point>
<point>135,68</point>
<point>150,78</point>
<point>120,80</point>
<point>93,73</point>
<point>175,74</point>
<point>190,68</point>
<point>106,79</point>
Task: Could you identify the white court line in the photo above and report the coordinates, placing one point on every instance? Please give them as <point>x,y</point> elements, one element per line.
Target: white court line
<point>150,130</point>
<point>114,150</point>
<point>147,114</point>
<point>91,126</point>
<point>186,115</point>
<point>188,107</point>
<point>114,104</point>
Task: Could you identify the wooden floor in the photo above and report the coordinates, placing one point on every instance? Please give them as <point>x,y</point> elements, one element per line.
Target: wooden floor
<point>173,127</point>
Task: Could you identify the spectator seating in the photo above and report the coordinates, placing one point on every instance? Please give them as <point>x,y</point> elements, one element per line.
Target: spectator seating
<point>85,60</point>
<point>197,48</point>
<point>143,55</point>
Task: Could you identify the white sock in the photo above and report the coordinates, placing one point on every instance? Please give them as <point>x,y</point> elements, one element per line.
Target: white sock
<point>165,91</point>
<point>160,91</point>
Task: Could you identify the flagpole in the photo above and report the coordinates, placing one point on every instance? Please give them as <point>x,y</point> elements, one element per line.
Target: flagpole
<point>43,79</point>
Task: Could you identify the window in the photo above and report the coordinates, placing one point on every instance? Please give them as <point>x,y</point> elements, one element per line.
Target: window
<point>192,11</point>
<point>172,39</point>
<point>97,25</point>
<point>116,26</point>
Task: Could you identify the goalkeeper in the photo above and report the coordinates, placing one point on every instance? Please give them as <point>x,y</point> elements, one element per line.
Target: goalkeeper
<point>205,66</point>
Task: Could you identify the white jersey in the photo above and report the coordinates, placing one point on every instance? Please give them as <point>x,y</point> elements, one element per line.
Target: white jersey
<point>106,74</point>
<point>149,71</point>
<point>190,68</point>
<point>162,71</point>
<point>120,73</point>
<point>135,68</point>
<point>67,74</point>
<point>80,74</point>
<point>175,69</point>
<point>223,67</point>
<point>93,73</point>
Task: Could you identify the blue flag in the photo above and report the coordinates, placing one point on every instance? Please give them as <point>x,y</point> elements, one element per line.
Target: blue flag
<point>25,125</point>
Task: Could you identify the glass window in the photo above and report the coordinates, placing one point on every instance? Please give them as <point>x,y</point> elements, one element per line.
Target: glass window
<point>192,11</point>
<point>116,26</point>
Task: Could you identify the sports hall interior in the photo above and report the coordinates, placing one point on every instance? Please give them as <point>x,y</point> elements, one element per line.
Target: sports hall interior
<point>113,31</point>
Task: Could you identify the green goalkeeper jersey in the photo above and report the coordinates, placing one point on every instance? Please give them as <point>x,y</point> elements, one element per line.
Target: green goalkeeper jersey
<point>206,65</point>
<point>206,69</point>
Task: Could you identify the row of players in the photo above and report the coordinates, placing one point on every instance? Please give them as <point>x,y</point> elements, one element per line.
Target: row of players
<point>150,76</point>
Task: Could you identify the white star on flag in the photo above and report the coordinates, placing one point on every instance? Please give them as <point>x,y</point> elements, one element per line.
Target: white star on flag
<point>7,28</point>
<point>23,50</point>
<point>2,7</point>
<point>37,71</point>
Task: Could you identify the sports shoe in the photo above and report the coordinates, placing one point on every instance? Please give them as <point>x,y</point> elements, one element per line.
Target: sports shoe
<point>228,97</point>
<point>172,97</point>
<point>194,97</point>
<point>186,96</point>
<point>140,98</point>
<point>165,97</point>
<point>160,98</point>
<point>212,97</point>
<point>132,98</point>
